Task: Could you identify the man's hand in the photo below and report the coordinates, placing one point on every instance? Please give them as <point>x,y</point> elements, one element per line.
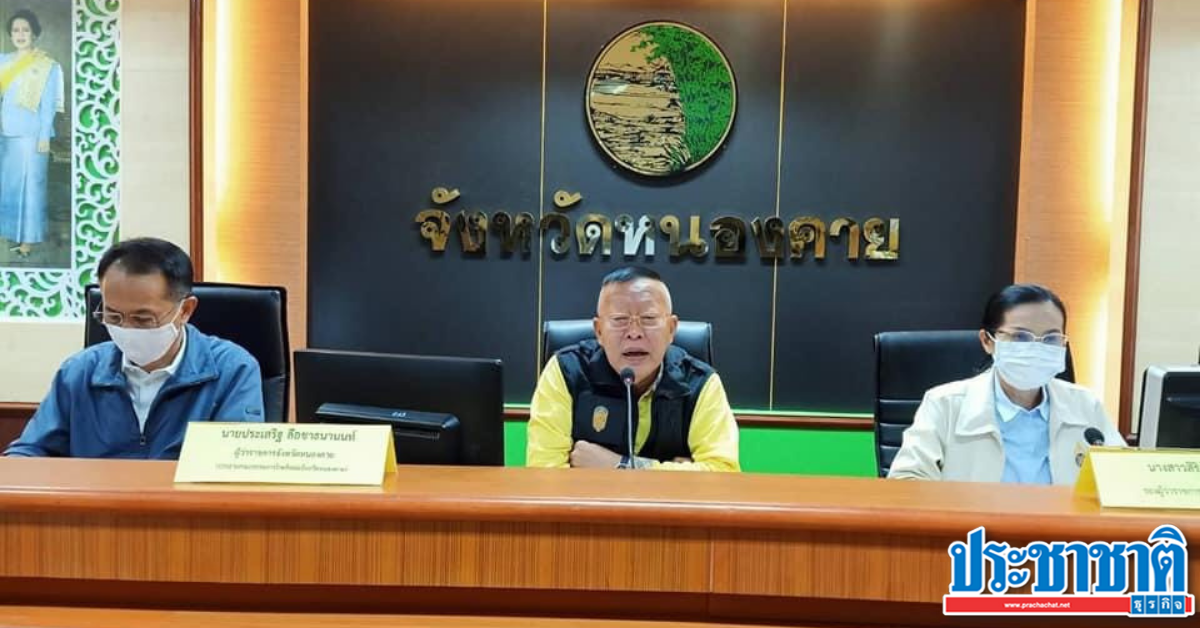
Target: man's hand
<point>592,456</point>
<point>43,146</point>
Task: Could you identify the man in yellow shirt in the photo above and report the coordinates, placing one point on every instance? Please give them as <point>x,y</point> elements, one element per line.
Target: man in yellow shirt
<point>578,417</point>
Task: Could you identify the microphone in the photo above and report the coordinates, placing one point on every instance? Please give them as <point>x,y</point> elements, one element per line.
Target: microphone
<point>627,377</point>
<point>1093,437</point>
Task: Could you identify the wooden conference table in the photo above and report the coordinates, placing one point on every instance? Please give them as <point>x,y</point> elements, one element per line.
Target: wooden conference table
<point>491,542</point>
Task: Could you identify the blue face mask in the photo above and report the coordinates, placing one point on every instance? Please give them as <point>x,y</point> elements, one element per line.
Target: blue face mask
<point>1028,365</point>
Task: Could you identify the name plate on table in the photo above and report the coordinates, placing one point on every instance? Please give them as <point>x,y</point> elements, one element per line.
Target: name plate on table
<point>283,453</point>
<point>1131,478</point>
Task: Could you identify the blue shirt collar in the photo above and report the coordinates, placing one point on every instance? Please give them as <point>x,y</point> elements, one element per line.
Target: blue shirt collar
<point>1007,410</point>
<point>196,367</point>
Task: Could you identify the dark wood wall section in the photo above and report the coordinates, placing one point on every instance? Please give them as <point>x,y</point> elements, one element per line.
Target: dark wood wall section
<point>404,97</point>
<point>856,109</point>
<point>908,110</point>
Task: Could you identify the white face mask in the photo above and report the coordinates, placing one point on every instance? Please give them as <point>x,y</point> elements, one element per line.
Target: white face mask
<point>144,346</point>
<point>1028,365</point>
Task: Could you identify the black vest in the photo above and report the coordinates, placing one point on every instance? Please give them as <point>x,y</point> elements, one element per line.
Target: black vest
<point>599,407</point>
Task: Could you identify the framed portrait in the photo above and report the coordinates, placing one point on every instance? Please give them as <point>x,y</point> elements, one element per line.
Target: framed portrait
<point>59,152</point>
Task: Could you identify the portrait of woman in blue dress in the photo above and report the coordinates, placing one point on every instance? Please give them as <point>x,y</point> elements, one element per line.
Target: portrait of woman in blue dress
<point>32,86</point>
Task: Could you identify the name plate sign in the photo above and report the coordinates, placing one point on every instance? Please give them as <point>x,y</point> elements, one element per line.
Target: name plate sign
<point>283,453</point>
<point>1132,478</point>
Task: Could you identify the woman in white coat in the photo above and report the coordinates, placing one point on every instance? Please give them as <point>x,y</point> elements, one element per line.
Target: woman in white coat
<point>1015,422</point>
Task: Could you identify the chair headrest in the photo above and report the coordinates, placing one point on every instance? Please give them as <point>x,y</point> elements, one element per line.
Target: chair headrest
<point>695,337</point>
<point>908,363</point>
<point>254,317</point>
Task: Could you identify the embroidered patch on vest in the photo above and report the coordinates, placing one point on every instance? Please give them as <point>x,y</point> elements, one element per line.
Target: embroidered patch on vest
<point>599,418</point>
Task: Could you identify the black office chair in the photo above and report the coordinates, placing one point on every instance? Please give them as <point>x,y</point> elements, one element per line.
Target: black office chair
<point>691,336</point>
<point>254,317</point>
<point>908,363</point>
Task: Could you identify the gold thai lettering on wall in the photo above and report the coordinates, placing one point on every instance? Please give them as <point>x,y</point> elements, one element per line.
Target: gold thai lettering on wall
<point>594,233</point>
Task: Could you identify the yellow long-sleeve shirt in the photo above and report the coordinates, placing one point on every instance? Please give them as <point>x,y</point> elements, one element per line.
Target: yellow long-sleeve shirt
<point>712,438</point>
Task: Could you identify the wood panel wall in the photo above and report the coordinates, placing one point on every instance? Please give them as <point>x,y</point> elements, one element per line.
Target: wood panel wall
<point>1075,172</point>
<point>255,150</point>
<point>1074,163</point>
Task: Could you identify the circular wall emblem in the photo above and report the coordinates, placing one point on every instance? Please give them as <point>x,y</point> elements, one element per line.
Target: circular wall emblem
<point>661,98</point>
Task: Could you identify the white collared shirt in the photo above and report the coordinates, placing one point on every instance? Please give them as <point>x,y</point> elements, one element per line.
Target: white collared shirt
<point>144,387</point>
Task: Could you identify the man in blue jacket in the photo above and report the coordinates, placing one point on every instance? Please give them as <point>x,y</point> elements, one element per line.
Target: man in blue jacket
<point>133,397</point>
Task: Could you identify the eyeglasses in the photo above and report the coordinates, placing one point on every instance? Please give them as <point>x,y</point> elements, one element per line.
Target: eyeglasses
<point>1053,338</point>
<point>136,321</point>
<point>622,322</point>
